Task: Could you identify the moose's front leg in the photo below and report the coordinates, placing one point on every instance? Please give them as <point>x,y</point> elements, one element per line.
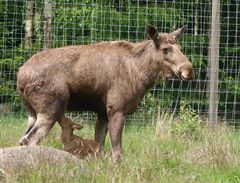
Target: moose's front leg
<point>115,127</point>
<point>101,129</point>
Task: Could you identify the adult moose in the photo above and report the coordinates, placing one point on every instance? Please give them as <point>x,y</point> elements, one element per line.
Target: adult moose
<point>109,78</point>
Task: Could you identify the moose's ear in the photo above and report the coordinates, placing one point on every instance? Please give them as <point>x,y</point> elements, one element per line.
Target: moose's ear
<point>152,33</point>
<point>179,32</point>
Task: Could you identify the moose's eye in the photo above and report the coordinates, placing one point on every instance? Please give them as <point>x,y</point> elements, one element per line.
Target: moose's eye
<point>166,50</point>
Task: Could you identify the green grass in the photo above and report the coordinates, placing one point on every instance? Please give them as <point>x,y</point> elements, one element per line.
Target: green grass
<point>150,154</point>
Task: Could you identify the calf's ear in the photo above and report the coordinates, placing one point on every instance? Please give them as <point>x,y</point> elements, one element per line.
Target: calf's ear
<point>178,33</point>
<point>152,34</point>
<point>77,126</point>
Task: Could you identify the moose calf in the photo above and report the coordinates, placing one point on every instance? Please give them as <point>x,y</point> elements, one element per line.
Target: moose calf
<point>74,144</point>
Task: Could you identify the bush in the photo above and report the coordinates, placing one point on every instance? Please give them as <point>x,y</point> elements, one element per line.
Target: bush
<point>8,82</point>
<point>188,123</point>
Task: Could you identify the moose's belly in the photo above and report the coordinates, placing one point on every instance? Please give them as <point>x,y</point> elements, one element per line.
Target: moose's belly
<point>80,102</point>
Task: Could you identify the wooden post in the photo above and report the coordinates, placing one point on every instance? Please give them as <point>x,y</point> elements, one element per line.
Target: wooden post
<point>28,25</point>
<point>196,18</point>
<point>47,24</point>
<point>214,60</point>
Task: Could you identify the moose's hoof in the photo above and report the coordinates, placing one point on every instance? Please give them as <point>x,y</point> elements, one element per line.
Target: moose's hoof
<point>24,141</point>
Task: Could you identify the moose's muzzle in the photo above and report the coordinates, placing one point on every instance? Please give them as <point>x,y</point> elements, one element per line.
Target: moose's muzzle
<point>186,72</point>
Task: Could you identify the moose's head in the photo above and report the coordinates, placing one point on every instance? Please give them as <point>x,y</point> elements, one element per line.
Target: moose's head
<point>168,53</point>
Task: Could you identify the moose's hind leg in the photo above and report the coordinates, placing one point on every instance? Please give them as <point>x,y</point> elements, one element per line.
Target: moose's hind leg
<point>47,115</point>
<point>39,130</point>
<point>32,116</point>
<point>31,121</point>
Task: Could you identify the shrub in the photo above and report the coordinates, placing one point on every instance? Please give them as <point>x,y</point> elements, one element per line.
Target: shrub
<point>188,123</point>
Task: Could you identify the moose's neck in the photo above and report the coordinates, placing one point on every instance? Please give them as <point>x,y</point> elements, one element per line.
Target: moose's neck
<point>149,70</point>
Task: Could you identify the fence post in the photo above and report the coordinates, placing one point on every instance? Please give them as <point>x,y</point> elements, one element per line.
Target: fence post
<point>214,60</point>
<point>47,24</point>
<point>196,18</point>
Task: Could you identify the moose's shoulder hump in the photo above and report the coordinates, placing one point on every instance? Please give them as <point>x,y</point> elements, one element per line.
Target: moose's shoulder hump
<point>122,44</point>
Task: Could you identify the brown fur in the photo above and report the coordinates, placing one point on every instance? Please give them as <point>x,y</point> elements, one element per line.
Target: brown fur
<point>109,78</point>
<point>74,144</point>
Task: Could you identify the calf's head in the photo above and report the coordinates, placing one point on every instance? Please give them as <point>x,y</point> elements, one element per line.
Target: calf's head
<point>68,128</point>
<point>167,53</point>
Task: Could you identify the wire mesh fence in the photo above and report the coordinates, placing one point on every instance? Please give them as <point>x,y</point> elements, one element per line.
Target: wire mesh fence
<point>29,26</point>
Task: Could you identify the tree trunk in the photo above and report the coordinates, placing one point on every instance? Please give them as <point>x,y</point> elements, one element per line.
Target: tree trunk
<point>47,24</point>
<point>28,26</point>
<point>37,24</point>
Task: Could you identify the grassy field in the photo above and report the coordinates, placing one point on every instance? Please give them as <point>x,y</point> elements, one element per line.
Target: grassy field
<point>181,151</point>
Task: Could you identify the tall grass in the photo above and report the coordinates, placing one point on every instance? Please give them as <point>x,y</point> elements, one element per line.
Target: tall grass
<point>172,149</point>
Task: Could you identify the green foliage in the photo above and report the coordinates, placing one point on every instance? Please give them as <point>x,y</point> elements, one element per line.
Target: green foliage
<point>103,21</point>
<point>84,22</point>
<point>188,123</point>
<point>7,81</point>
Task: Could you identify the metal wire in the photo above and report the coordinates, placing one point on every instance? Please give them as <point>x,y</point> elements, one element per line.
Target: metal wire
<point>87,21</point>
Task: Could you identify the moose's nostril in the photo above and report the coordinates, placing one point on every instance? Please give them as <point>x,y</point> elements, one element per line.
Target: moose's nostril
<point>187,74</point>
<point>184,77</point>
